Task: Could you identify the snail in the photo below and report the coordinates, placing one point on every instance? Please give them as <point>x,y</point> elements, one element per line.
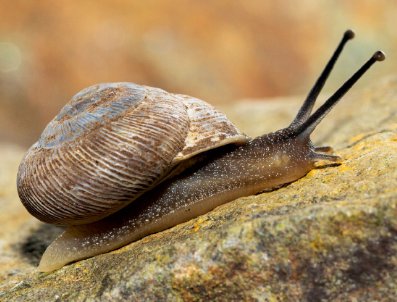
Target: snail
<point>122,161</point>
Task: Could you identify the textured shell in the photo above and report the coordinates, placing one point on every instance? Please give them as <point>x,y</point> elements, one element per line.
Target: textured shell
<point>111,143</point>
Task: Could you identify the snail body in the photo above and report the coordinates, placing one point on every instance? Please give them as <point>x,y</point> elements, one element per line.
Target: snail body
<point>199,161</point>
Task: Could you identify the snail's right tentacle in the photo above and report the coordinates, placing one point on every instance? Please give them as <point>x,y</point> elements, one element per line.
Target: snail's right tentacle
<point>325,149</point>
<point>307,106</point>
<point>304,130</point>
<point>326,157</point>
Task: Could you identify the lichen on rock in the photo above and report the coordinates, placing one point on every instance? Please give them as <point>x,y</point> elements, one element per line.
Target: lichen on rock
<point>330,236</point>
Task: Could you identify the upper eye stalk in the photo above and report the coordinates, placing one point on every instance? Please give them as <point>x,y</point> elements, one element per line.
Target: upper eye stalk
<point>304,123</point>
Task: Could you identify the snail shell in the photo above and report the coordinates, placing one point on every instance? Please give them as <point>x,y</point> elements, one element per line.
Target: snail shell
<point>110,144</point>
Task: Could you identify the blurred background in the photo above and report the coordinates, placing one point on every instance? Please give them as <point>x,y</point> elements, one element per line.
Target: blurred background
<point>221,51</point>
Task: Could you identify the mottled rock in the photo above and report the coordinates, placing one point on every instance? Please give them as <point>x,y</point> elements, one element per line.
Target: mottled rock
<point>331,236</point>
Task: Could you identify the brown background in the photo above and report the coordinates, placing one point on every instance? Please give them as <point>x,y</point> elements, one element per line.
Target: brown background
<point>220,51</point>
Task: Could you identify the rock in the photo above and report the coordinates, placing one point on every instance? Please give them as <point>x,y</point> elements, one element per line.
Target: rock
<point>330,236</point>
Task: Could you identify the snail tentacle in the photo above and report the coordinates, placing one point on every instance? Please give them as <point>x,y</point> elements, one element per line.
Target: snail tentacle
<point>306,109</point>
<point>305,129</point>
<point>324,149</point>
<point>326,157</point>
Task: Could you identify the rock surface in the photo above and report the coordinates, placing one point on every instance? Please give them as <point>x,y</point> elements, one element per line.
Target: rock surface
<point>331,236</point>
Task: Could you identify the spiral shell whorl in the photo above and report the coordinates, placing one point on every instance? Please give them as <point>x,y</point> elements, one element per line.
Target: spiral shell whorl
<point>91,108</point>
<point>91,170</point>
<point>110,144</point>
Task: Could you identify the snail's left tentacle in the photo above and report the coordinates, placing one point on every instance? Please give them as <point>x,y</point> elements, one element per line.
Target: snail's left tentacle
<point>304,130</point>
<point>308,104</point>
<point>326,157</point>
<point>324,149</point>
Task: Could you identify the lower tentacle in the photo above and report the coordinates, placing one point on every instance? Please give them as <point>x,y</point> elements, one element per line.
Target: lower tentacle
<point>324,149</point>
<point>326,157</point>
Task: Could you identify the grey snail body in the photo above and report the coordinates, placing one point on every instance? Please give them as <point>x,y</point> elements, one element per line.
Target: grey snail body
<point>201,172</point>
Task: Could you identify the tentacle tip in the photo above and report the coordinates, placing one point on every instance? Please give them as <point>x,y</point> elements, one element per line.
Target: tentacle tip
<point>349,34</point>
<point>379,55</point>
